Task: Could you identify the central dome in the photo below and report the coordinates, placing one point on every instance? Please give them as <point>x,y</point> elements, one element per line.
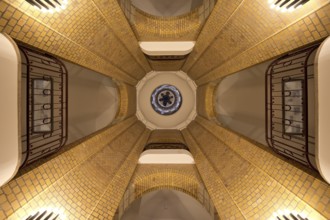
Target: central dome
<point>166,99</point>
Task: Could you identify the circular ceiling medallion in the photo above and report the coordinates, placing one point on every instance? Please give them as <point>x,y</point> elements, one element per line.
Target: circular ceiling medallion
<point>166,99</point>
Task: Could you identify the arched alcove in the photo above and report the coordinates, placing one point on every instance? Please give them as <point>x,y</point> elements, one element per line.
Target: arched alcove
<point>166,204</point>
<point>148,178</point>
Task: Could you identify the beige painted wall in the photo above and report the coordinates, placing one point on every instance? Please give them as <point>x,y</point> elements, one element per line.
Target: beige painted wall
<point>93,101</point>
<point>240,102</point>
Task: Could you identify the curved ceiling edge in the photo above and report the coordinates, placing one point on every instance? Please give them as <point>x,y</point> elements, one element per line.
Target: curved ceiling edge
<point>166,48</point>
<point>166,156</point>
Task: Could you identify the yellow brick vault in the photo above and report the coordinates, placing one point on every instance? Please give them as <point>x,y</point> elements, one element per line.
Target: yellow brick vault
<point>89,178</point>
<point>80,177</point>
<point>127,106</point>
<point>249,182</point>
<point>302,183</point>
<point>239,34</point>
<point>152,28</point>
<point>84,33</point>
<point>178,177</point>
<point>223,202</point>
<point>205,100</point>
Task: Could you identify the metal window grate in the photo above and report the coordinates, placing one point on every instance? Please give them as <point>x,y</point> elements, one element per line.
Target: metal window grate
<point>45,101</point>
<point>289,115</point>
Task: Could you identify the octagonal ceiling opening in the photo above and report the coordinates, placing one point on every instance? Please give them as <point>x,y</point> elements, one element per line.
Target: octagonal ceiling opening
<point>166,100</point>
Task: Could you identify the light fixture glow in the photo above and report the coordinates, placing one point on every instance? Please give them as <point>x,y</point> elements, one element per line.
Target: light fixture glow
<point>291,9</point>
<point>284,10</point>
<point>288,215</point>
<point>48,6</point>
<point>286,5</point>
<point>49,213</point>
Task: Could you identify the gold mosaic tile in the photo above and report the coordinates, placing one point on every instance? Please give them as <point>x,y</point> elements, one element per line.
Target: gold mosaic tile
<point>181,28</point>
<point>79,191</point>
<point>86,38</point>
<point>205,99</point>
<point>127,106</point>
<point>148,177</point>
<point>116,20</point>
<point>153,28</point>
<point>297,182</point>
<point>296,35</point>
<point>38,177</point>
<point>89,180</point>
<point>249,36</point>
<point>223,202</point>
<point>222,11</point>
<point>109,202</point>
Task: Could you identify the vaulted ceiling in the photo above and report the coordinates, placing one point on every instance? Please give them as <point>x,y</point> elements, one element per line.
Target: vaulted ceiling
<point>96,34</point>
<point>238,33</point>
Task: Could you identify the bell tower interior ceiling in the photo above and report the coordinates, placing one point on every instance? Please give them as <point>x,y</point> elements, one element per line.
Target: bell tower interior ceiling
<point>163,67</point>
